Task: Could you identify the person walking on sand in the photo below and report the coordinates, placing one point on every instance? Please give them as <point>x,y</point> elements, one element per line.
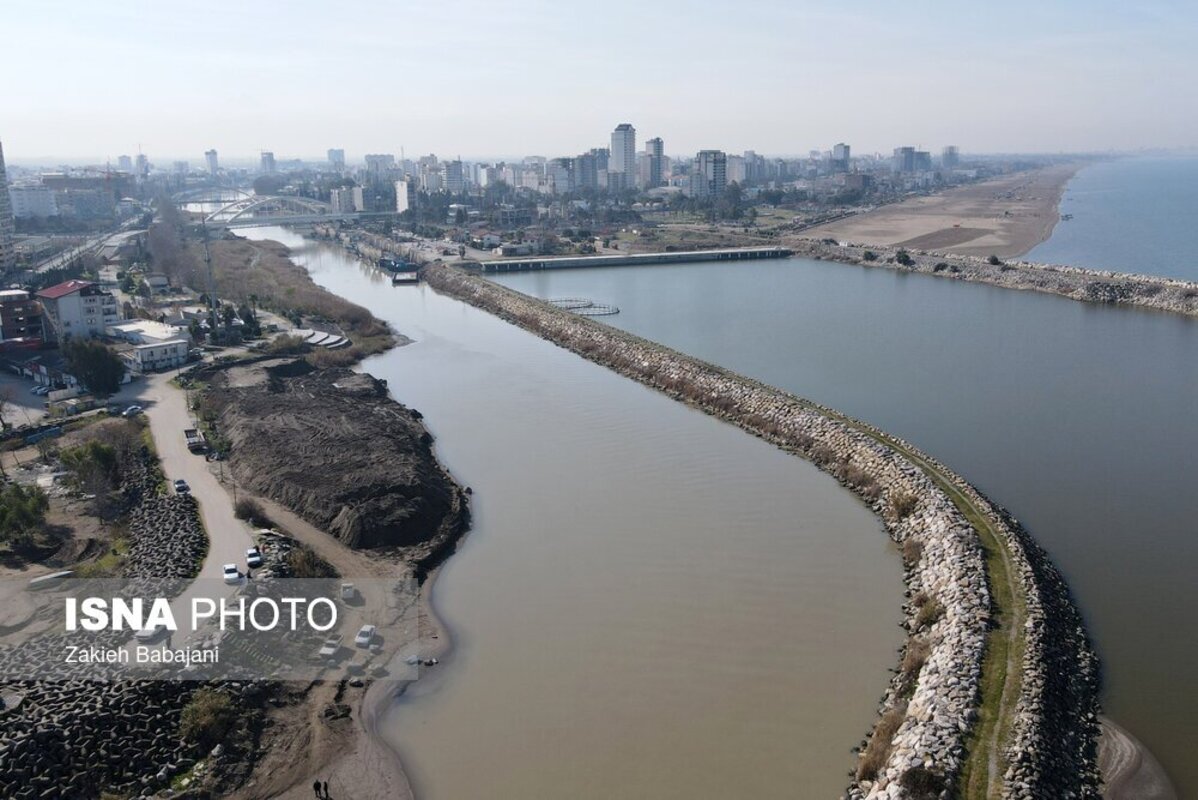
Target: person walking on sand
<point>316,788</point>
<point>327,796</point>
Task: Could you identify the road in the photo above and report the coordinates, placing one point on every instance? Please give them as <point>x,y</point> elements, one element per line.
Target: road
<point>166,409</point>
<point>94,243</point>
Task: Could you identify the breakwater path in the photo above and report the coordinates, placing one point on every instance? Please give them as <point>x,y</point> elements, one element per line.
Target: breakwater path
<point>1104,287</point>
<point>997,686</point>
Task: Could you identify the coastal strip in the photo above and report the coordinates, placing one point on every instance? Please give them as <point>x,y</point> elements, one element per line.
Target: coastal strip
<point>997,688</point>
<point>1076,283</point>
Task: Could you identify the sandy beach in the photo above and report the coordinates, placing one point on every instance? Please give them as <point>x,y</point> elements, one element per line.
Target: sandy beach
<point>1006,217</point>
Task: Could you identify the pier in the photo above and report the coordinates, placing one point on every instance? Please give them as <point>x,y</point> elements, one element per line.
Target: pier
<point>633,259</point>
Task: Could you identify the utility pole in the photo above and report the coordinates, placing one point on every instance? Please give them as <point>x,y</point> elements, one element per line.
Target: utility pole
<point>211,285</point>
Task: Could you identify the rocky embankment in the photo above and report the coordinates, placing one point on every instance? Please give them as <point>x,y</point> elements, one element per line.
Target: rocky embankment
<point>931,709</point>
<point>331,445</point>
<point>64,737</point>
<point>1076,283</point>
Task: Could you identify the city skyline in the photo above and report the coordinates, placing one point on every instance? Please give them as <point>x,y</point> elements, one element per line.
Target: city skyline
<point>1023,79</point>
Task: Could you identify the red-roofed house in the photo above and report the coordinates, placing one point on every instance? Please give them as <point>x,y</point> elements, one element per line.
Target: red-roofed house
<point>78,308</point>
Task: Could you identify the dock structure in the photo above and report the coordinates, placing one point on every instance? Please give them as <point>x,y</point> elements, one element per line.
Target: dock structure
<point>526,263</point>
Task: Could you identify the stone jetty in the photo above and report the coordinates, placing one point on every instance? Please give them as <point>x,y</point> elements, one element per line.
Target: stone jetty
<point>929,716</point>
<point>1076,283</point>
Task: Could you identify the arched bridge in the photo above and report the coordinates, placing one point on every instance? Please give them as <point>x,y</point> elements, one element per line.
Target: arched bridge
<point>278,210</point>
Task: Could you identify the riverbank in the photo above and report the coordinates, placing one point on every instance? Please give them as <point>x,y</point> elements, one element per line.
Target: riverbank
<point>1005,216</point>
<point>949,614</point>
<point>332,459</point>
<point>1076,283</point>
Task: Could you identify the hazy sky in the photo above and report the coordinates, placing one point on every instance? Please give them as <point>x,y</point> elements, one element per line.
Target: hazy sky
<point>94,78</point>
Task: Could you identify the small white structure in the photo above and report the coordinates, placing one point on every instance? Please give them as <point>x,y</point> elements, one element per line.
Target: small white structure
<point>146,331</point>
<point>141,358</point>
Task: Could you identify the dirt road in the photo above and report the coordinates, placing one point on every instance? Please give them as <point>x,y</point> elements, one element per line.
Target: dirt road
<point>166,408</point>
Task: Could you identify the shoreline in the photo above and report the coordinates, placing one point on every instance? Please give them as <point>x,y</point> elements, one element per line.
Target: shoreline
<point>1100,287</point>
<point>1006,216</point>
<point>1050,223</point>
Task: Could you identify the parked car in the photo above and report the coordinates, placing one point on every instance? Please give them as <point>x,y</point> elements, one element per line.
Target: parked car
<point>132,411</point>
<point>181,487</point>
<point>41,391</point>
<point>232,575</point>
<point>253,558</point>
<point>151,633</point>
<point>330,647</point>
<point>365,636</point>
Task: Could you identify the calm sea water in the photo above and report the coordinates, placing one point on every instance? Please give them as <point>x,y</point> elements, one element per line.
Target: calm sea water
<point>650,604</point>
<point>1080,419</point>
<point>1131,215</point>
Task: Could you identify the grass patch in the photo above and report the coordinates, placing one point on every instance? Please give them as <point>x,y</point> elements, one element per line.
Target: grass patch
<point>873,757</point>
<point>207,718</point>
<point>108,565</point>
<point>929,614</point>
<point>993,728</point>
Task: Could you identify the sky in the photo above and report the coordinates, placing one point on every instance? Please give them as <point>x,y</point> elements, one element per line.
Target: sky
<point>86,80</point>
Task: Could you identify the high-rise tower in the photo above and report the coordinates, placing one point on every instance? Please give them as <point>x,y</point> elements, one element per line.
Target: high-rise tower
<point>621,168</point>
<point>7,247</point>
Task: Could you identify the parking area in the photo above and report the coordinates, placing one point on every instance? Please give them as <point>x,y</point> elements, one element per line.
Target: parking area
<point>20,407</point>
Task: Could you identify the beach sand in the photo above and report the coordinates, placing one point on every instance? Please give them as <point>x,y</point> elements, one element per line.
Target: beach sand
<point>1006,217</point>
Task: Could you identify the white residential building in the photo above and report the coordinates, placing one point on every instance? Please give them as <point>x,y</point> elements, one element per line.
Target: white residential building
<point>32,201</point>
<point>146,331</point>
<point>405,195</point>
<point>78,308</point>
<point>156,356</point>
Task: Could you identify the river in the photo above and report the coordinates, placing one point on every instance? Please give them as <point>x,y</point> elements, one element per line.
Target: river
<point>1078,418</point>
<point>651,603</point>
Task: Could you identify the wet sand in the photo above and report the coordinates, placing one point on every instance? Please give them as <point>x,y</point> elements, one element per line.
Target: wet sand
<point>1129,771</point>
<point>1006,217</point>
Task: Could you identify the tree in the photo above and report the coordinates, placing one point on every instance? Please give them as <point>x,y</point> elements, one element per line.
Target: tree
<point>22,512</point>
<point>904,258</point>
<point>228,314</point>
<point>94,364</point>
<point>7,395</point>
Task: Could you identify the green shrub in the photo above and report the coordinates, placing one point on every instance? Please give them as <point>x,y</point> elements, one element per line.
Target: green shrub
<point>252,512</point>
<point>207,718</point>
<point>922,783</point>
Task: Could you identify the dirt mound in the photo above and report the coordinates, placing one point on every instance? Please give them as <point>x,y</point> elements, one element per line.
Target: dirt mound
<point>332,446</point>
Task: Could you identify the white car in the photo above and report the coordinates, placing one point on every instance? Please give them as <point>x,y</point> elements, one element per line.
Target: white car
<point>151,633</point>
<point>132,411</point>
<point>231,574</point>
<point>365,636</point>
<point>253,558</point>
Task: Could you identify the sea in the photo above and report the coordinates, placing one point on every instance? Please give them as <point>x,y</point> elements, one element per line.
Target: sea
<point>1129,215</point>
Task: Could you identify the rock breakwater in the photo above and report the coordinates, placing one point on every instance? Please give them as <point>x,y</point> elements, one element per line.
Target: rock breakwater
<point>1076,283</point>
<point>930,718</point>
<point>78,738</point>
